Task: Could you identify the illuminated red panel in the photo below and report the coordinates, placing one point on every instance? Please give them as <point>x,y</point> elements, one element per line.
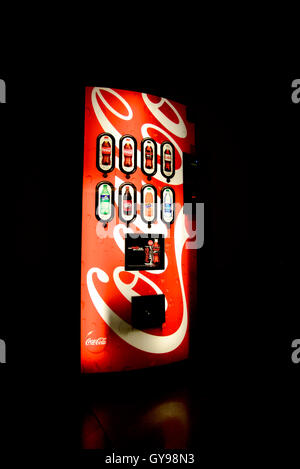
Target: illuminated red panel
<point>108,340</point>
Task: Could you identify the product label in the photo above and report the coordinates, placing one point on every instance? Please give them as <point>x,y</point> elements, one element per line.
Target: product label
<point>168,208</point>
<point>127,204</point>
<point>99,341</point>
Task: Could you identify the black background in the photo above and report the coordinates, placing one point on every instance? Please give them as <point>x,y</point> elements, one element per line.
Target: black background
<point>247,142</point>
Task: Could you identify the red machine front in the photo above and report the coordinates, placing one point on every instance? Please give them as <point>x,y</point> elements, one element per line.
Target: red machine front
<point>136,273</point>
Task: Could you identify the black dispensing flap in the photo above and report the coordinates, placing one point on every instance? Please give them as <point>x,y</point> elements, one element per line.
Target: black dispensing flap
<point>148,311</point>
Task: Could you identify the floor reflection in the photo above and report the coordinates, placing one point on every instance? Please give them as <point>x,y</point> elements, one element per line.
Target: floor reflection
<point>155,408</point>
<point>172,419</point>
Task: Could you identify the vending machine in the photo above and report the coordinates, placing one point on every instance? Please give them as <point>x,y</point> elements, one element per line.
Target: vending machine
<point>137,273</point>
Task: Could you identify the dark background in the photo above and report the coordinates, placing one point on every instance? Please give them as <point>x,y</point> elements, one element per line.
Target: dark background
<point>246,147</point>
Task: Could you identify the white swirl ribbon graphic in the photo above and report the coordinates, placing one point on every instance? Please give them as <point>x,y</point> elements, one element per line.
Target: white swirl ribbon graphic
<point>139,339</point>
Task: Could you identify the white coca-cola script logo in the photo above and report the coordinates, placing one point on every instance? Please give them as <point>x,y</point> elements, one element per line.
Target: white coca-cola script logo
<point>98,341</point>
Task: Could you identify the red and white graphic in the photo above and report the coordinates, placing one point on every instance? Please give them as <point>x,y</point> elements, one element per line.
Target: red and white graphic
<point>109,342</point>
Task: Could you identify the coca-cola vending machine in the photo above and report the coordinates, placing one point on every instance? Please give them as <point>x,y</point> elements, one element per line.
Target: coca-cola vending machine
<point>137,275</point>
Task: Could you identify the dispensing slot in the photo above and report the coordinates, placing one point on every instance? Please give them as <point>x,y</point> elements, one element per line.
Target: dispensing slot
<point>148,311</point>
